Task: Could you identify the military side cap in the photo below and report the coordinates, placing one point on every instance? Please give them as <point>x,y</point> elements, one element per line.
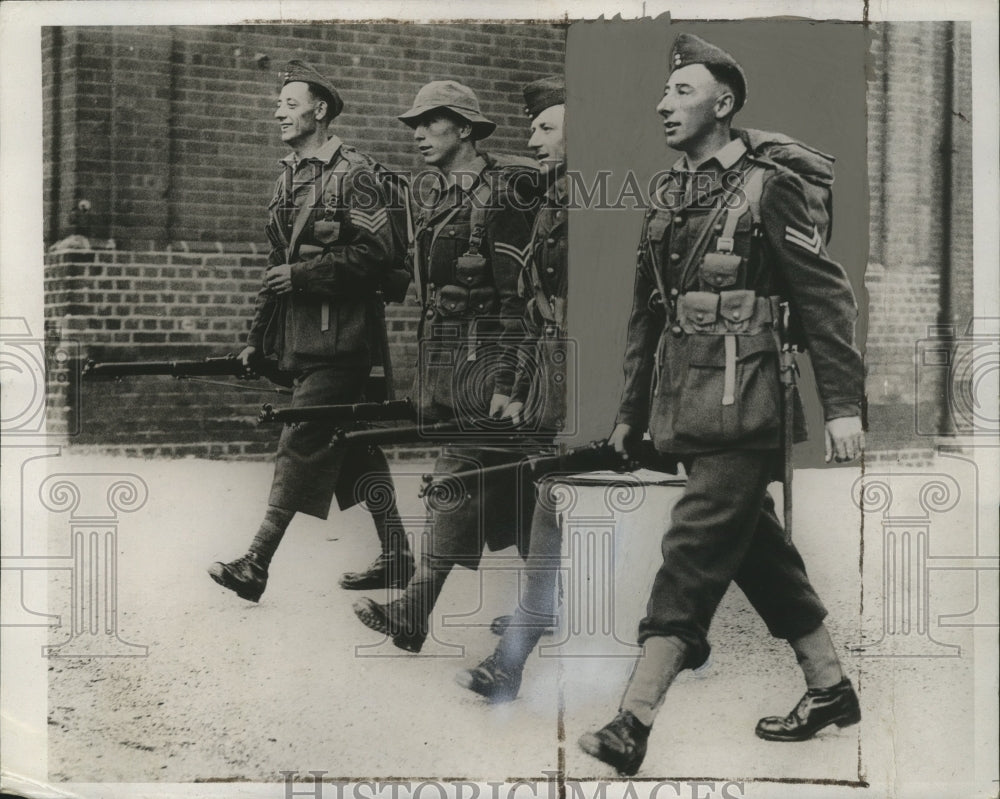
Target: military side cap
<point>690,49</point>
<point>454,96</point>
<point>544,93</point>
<point>297,70</point>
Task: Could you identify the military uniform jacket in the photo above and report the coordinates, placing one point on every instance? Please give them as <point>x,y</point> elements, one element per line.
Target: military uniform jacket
<point>344,246</point>
<point>540,382</point>
<point>473,322</point>
<point>695,388</point>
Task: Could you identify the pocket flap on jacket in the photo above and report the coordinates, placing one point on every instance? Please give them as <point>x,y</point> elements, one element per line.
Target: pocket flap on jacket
<point>698,307</point>
<point>453,300</point>
<point>737,306</point>
<point>720,270</point>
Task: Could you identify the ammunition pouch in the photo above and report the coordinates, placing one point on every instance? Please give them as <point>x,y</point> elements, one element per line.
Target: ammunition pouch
<point>452,300</point>
<point>740,312</point>
<point>719,270</point>
<point>471,270</point>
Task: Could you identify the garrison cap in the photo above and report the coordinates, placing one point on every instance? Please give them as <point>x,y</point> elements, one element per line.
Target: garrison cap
<point>690,49</point>
<point>454,96</point>
<point>544,93</point>
<point>297,70</point>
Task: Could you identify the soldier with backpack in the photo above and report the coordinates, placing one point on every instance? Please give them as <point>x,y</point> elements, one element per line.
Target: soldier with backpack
<point>472,242</point>
<point>338,249</point>
<point>733,236</point>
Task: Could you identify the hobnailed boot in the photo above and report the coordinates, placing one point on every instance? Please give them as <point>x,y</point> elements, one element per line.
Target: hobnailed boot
<point>245,576</point>
<point>490,679</point>
<point>389,570</point>
<point>817,709</point>
<point>394,567</point>
<point>406,620</point>
<point>393,619</point>
<point>620,743</point>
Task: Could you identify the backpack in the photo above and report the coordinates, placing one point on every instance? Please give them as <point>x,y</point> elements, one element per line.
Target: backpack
<point>814,167</point>
<point>395,194</point>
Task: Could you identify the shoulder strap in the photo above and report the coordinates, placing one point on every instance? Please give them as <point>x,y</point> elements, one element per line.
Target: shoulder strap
<point>477,217</point>
<point>307,207</point>
<point>753,183</point>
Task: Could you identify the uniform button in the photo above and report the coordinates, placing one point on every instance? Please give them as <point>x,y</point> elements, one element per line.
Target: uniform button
<point>699,316</point>
<point>736,316</point>
<point>550,240</point>
<point>678,220</point>
<point>677,331</point>
<point>430,313</point>
<point>675,257</point>
<point>718,228</point>
<point>550,270</point>
<point>674,292</point>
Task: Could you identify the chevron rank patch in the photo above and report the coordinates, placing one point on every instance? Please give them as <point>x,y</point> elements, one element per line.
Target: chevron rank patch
<point>812,243</point>
<point>372,221</point>
<point>521,256</point>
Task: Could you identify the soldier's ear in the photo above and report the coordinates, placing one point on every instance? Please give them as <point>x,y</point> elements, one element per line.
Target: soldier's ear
<point>725,104</point>
<point>322,111</point>
<point>465,131</point>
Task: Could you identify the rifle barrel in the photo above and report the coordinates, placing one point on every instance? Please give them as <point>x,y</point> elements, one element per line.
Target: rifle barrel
<point>391,410</point>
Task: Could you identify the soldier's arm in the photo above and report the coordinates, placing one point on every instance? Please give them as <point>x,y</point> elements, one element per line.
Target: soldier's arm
<point>820,295</point>
<point>355,255</point>
<point>508,231</point>
<point>266,299</point>
<point>644,328</point>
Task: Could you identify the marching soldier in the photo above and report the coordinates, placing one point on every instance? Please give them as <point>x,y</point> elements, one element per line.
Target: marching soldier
<point>540,391</point>
<point>471,246</point>
<point>732,236</point>
<point>331,243</point>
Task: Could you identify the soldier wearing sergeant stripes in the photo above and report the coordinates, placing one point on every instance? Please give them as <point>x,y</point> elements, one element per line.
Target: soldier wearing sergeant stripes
<point>472,242</point>
<point>331,241</point>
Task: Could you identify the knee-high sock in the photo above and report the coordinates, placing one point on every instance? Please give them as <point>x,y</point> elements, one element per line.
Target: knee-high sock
<point>818,658</point>
<point>661,661</point>
<point>271,531</point>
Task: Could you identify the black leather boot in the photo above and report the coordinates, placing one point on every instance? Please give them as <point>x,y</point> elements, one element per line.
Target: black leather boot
<point>245,576</point>
<point>492,680</point>
<point>388,571</point>
<point>621,743</point>
<point>817,709</point>
<point>394,619</point>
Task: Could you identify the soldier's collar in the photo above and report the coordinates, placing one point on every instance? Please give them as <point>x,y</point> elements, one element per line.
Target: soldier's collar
<point>324,155</point>
<point>468,178</point>
<point>726,157</point>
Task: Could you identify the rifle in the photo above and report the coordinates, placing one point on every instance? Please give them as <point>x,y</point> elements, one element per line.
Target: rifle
<point>225,366</point>
<point>502,432</point>
<point>596,456</point>
<point>789,377</point>
<point>388,411</point>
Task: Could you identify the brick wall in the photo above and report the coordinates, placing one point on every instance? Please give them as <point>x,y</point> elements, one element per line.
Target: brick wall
<point>920,170</point>
<point>168,131</point>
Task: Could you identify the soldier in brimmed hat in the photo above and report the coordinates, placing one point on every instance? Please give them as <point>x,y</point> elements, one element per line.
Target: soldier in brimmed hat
<point>472,241</point>
<point>330,244</point>
<point>732,237</point>
<point>539,393</point>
